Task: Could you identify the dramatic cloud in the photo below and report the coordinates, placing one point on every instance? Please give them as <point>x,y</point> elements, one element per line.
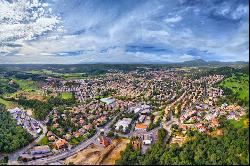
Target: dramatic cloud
<point>23,20</point>
<point>129,31</point>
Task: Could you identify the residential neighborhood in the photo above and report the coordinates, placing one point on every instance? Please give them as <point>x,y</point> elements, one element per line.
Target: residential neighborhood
<point>126,105</point>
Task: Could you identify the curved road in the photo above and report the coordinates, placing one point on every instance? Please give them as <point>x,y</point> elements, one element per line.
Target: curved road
<point>14,156</point>
<point>68,153</point>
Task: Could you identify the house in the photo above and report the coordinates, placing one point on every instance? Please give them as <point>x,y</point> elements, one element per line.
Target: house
<point>82,121</point>
<point>145,112</point>
<point>147,139</point>
<point>201,129</point>
<point>183,127</point>
<point>125,122</point>
<point>60,143</point>
<point>49,133</point>
<point>142,118</point>
<point>26,157</point>
<point>145,106</point>
<point>232,116</point>
<point>108,101</point>
<point>38,130</point>
<point>52,138</point>
<point>55,125</point>
<point>77,134</point>
<point>104,141</point>
<point>87,127</point>
<point>141,127</point>
<point>214,123</point>
<point>12,111</point>
<point>40,149</point>
<point>137,110</point>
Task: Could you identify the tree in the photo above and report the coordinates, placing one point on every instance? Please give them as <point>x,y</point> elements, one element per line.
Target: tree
<point>12,137</point>
<point>110,134</point>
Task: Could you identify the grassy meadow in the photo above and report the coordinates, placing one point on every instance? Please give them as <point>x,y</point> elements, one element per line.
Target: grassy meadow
<point>239,86</point>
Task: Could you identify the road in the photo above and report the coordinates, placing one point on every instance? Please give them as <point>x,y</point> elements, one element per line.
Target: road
<point>67,153</point>
<point>170,105</point>
<point>14,156</point>
<point>79,147</point>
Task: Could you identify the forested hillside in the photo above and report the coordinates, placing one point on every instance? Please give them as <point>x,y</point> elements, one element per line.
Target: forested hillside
<point>231,148</point>
<point>12,136</point>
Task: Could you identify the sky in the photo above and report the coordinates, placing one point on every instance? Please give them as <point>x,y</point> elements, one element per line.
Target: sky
<point>123,31</point>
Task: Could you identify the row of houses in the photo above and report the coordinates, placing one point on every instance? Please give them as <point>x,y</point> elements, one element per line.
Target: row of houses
<point>24,120</point>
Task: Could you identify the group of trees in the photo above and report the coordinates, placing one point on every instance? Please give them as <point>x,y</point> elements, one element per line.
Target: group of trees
<point>5,87</point>
<point>153,124</point>
<point>12,136</point>
<point>133,157</point>
<point>41,109</point>
<point>231,148</point>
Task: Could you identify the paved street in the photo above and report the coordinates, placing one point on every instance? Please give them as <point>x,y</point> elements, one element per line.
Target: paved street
<point>14,156</point>
<point>68,153</point>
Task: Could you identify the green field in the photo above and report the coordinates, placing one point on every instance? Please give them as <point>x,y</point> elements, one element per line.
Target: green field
<point>43,141</point>
<point>65,76</point>
<point>239,86</point>
<point>8,104</point>
<point>66,95</point>
<point>75,141</point>
<point>27,85</point>
<point>242,123</point>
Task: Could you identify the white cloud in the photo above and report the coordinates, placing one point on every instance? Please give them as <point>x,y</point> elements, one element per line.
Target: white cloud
<point>23,20</point>
<point>142,24</point>
<point>186,57</point>
<point>173,19</point>
<point>45,53</point>
<point>239,12</point>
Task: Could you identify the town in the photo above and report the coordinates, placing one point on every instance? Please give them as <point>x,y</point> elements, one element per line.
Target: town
<point>127,105</point>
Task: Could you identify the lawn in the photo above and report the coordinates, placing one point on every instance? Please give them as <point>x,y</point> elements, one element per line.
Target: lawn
<point>8,104</point>
<point>66,95</point>
<point>242,123</point>
<point>75,141</point>
<point>43,141</point>
<point>27,85</point>
<point>239,86</point>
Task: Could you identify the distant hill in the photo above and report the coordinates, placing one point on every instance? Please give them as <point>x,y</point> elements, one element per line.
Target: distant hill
<point>196,62</point>
<point>201,62</point>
